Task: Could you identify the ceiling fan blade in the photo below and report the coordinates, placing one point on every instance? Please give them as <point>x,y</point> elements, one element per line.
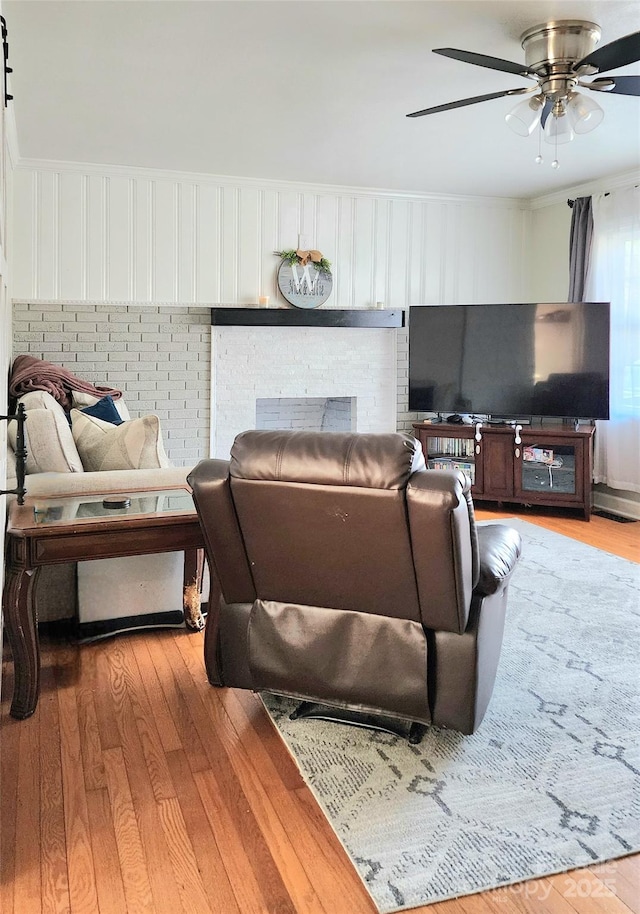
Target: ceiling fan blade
<point>482,60</point>
<point>463,102</point>
<point>623,85</point>
<point>611,56</point>
<point>546,111</point>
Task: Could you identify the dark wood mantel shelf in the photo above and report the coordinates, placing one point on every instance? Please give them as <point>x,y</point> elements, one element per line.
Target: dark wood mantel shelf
<point>301,317</point>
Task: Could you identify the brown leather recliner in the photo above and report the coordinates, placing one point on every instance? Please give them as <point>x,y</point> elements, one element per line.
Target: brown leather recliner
<point>352,576</point>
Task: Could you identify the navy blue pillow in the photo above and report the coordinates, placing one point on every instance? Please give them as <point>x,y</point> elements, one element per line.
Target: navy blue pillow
<point>104,409</point>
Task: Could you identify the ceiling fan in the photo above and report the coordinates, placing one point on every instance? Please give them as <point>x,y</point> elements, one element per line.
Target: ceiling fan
<point>558,56</point>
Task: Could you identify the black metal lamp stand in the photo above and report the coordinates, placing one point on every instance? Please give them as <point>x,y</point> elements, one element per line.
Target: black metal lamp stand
<point>21,454</point>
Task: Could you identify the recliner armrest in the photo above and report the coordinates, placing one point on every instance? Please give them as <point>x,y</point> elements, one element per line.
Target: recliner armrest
<point>500,547</point>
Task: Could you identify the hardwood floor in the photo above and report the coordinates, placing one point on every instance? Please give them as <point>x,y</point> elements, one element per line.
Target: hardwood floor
<point>136,787</point>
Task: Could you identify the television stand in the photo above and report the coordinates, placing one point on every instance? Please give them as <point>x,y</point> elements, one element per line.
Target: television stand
<point>551,465</point>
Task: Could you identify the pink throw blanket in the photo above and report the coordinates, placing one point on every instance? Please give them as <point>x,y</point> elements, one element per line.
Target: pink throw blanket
<point>29,373</point>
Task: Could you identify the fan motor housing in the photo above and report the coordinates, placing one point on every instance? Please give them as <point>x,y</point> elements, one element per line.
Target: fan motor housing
<point>554,47</point>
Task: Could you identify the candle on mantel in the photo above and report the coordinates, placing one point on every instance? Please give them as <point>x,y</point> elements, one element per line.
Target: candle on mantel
<point>263,301</point>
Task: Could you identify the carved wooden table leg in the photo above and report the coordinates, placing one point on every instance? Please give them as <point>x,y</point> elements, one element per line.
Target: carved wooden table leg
<point>193,570</point>
<point>22,633</point>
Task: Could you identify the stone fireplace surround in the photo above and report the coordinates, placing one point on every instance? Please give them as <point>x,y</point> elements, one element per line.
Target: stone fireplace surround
<point>294,353</point>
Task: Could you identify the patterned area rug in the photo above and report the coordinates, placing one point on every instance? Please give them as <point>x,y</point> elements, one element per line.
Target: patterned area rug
<point>551,781</point>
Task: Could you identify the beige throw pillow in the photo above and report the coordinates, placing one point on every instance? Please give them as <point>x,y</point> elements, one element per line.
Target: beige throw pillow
<point>134,445</point>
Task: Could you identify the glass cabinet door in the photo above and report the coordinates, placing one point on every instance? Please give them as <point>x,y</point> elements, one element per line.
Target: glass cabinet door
<point>549,466</point>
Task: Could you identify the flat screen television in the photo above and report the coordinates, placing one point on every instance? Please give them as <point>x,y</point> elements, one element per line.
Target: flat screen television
<point>510,360</point>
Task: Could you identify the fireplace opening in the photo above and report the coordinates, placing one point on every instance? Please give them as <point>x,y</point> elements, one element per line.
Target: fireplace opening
<point>318,414</point>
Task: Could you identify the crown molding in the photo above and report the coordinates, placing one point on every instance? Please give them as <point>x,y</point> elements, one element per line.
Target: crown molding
<point>599,186</point>
<point>157,174</point>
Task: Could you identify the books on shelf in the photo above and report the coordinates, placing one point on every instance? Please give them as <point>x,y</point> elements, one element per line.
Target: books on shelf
<point>448,463</point>
<point>452,447</point>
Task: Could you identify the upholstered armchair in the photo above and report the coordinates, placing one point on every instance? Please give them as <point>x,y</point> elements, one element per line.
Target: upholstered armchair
<point>352,577</point>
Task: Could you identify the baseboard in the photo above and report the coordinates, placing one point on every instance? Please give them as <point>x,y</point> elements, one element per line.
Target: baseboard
<point>625,507</point>
<point>70,629</point>
<point>92,631</point>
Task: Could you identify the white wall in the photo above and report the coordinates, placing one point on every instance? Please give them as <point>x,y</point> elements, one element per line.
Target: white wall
<point>7,143</point>
<point>89,235</point>
<point>548,255</point>
<point>549,270</point>
<point>549,266</point>
<point>122,234</point>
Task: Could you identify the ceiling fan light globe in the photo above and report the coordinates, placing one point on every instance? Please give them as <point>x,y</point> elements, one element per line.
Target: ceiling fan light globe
<point>558,130</point>
<point>525,117</point>
<point>585,114</point>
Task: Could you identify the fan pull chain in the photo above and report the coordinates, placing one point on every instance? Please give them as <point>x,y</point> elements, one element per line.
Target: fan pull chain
<point>555,163</point>
<point>539,160</point>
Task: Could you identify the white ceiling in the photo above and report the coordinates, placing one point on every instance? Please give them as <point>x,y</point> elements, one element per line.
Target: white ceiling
<point>304,90</point>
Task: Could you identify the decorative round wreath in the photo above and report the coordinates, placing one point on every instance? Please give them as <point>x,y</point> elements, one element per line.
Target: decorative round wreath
<point>304,257</point>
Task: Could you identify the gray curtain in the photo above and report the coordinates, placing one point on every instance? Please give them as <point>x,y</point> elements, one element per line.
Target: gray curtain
<point>579,247</point>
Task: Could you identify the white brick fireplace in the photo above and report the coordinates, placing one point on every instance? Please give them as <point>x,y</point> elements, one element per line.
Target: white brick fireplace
<point>257,362</point>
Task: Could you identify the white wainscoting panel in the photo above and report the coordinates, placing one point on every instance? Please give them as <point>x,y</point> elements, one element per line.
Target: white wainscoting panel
<point>123,234</point>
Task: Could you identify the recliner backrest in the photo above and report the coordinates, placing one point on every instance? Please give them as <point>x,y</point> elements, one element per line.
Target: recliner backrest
<point>343,521</point>
<point>337,504</point>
